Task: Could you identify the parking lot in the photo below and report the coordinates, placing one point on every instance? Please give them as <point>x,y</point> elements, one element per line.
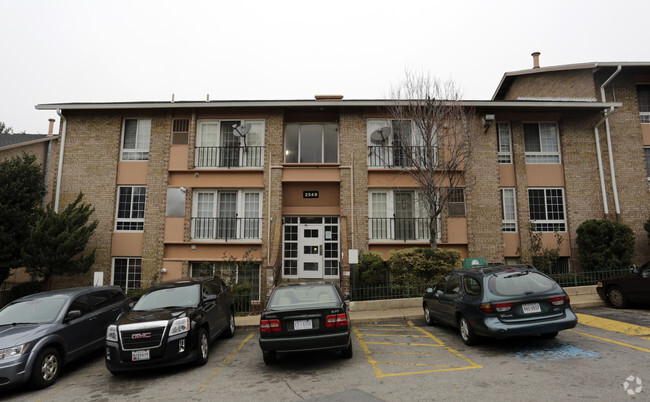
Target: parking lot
<point>397,360</point>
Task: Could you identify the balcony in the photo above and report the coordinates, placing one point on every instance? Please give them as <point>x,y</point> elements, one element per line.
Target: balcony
<point>397,156</point>
<point>402,229</point>
<point>229,157</point>
<point>226,228</point>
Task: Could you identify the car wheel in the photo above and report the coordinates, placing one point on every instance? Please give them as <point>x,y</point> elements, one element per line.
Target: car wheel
<point>466,332</point>
<point>46,368</point>
<point>230,331</point>
<point>549,335</point>
<point>204,348</point>
<point>427,315</point>
<point>347,352</point>
<point>269,357</point>
<point>616,298</point>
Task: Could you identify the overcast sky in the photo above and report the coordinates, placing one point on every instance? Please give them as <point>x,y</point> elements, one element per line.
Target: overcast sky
<point>96,51</point>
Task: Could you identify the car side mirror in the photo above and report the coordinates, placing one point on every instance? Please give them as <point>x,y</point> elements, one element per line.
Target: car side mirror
<point>429,290</point>
<point>72,314</point>
<point>210,298</point>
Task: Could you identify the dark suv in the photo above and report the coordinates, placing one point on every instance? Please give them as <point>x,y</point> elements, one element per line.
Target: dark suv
<point>40,333</point>
<point>173,323</point>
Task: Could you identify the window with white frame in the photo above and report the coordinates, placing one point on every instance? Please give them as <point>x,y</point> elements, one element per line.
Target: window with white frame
<point>127,272</point>
<point>135,139</point>
<point>643,97</point>
<point>508,210</point>
<point>131,202</point>
<point>397,214</point>
<point>232,272</point>
<point>311,143</point>
<point>541,143</point>
<point>227,214</point>
<point>225,143</point>
<point>647,163</point>
<point>546,207</point>
<point>504,139</point>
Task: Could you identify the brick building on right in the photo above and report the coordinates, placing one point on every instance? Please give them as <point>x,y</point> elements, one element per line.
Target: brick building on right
<point>606,174</point>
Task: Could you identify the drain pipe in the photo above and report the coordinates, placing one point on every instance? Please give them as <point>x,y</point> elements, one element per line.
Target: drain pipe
<point>600,158</point>
<point>609,142</point>
<point>59,172</point>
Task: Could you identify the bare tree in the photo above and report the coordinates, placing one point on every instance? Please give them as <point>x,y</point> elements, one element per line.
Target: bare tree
<point>431,133</point>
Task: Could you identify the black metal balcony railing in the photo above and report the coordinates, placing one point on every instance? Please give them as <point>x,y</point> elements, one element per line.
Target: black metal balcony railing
<point>398,228</point>
<point>226,228</point>
<point>250,156</point>
<point>397,156</point>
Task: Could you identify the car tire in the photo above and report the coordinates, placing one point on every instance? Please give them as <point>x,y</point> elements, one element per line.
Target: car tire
<point>616,298</point>
<point>204,347</point>
<point>230,330</point>
<point>427,315</point>
<point>46,368</point>
<point>347,352</point>
<point>467,333</point>
<point>549,335</point>
<point>269,357</point>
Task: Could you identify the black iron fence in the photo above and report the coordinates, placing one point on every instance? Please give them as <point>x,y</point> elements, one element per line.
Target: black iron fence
<point>397,156</point>
<point>229,156</point>
<point>586,278</point>
<point>398,228</point>
<point>226,228</point>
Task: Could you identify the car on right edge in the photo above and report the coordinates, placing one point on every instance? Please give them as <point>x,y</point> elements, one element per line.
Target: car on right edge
<point>631,288</point>
<point>499,302</point>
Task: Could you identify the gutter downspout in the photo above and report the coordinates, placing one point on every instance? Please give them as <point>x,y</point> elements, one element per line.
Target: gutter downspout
<point>600,159</point>
<point>59,172</point>
<point>609,142</point>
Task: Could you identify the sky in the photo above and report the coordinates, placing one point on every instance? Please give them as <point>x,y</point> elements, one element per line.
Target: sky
<point>59,51</point>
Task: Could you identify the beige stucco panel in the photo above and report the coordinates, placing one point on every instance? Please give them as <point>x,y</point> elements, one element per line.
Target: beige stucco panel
<point>217,179</point>
<point>174,230</point>
<point>645,130</point>
<point>314,174</point>
<point>507,175</point>
<point>212,252</point>
<point>457,230</point>
<point>178,158</point>
<point>126,244</point>
<point>174,270</point>
<point>540,175</point>
<point>132,172</point>
<point>511,243</point>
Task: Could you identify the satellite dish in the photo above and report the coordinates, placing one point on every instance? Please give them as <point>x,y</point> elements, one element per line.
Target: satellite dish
<point>241,130</point>
<point>380,136</point>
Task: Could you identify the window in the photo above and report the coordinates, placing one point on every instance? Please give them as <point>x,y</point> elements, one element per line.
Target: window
<point>647,163</point>
<point>227,214</point>
<point>220,143</point>
<point>180,131</point>
<point>130,208</point>
<point>456,202</point>
<point>547,209</point>
<point>504,139</point>
<point>135,139</point>
<point>127,273</point>
<point>398,215</point>
<point>541,143</point>
<point>311,143</point>
<point>234,272</point>
<point>643,95</point>
<point>508,210</point>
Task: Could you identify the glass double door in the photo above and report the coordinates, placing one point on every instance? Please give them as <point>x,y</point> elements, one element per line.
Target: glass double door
<point>310,251</point>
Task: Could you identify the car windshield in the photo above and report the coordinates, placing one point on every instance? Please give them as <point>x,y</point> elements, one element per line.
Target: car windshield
<point>42,311</point>
<point>182,296</point>
<point>303,295</point>
<point>520,283</point>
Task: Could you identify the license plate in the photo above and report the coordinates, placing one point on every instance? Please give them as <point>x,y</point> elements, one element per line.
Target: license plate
<point>138,355</point>
<point>302,324</point>
<point>531,308</point>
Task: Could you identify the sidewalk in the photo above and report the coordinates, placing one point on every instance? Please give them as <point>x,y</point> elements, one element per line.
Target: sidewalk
<point>408,309</point>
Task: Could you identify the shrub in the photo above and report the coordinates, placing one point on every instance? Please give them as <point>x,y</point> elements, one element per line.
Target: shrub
<point>24,289</point>
<point>242,295</point>
<point>604,245</point>
<point>371,270</point>
<point>136,294</point>
<point>421,265</point>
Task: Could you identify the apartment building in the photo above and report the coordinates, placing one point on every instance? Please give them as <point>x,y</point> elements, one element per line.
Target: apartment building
<point>284,189</point>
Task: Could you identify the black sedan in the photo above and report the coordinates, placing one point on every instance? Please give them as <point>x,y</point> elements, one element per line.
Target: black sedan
<point>173,323</point>
<point>40,333</point>
<point>305,317</point>
<point>632,288</point>
<point>499,302</point>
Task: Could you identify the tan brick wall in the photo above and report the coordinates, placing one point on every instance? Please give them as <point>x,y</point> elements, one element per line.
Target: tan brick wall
<point>572,83</point>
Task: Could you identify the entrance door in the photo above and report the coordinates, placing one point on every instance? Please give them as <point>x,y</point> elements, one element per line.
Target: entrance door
<point>310,251</point>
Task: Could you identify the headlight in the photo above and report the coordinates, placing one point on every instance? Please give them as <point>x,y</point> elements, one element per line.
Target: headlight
<point>179,326</point>
<point>111,333</point>
<point>13,351</point>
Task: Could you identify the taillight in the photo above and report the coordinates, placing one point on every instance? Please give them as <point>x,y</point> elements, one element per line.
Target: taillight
<point>336,320</point>
<point>502,307</point>
<point>559,300</point>
<point>270,326</point>
<point>486,308</point>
